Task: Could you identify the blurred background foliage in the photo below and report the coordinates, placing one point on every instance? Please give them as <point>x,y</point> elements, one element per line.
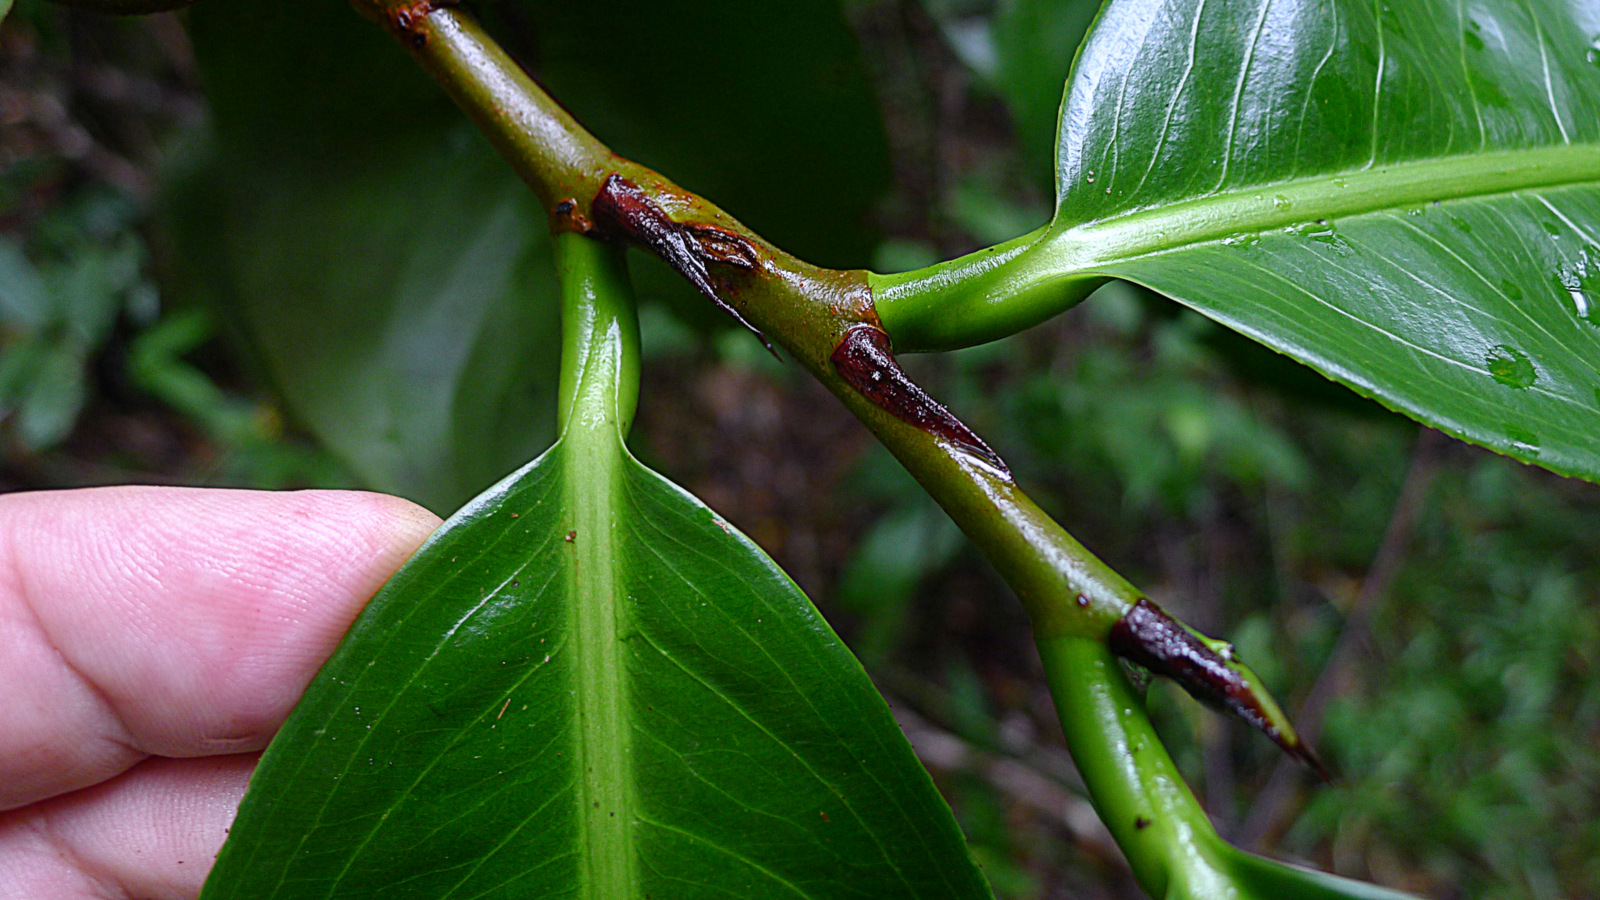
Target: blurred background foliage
<point>256,248</point>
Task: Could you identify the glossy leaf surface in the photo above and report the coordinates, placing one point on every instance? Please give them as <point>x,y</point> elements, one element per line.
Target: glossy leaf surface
<point>1404,195</point>
<point>587,684</point>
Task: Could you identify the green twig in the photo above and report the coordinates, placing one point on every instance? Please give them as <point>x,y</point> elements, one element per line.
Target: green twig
<point>829,322</point>
<point>807,310</point>
<point>1171,845</point>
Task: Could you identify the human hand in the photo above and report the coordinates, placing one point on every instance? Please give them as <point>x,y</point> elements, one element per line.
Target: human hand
<point>152,640</point>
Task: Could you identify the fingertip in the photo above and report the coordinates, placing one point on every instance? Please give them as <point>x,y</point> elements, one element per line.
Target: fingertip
<point>406,525</point>
<point>153,831</point>
<point>178,622</point>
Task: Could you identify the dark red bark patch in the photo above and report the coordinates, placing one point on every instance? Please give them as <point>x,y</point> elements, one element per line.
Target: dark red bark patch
<point>864,360</point>
<point>1146,635</point>
<point>624,212</point>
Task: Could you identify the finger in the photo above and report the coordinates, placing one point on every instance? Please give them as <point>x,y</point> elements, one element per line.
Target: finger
<point>173,622</point>
<point>150,833</point>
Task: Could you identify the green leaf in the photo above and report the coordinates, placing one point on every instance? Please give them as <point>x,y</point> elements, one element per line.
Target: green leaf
<point>52,399</point>
<point>389,273</point>
<point>85,292</point>
<point>1257,876</point>
<point>19,362</point>
<point>588,683</point>
<point>1404,196</point>
<point>24,303</point>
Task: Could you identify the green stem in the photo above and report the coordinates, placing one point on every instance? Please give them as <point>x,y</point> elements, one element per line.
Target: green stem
<point>1072,598</point>
<point>806,309</point>
<point>599,391</point>
<point>543,143</point>
<point>1005,289</point>
<point>599,334</point>
<point>1170,843</point>
<point>983,296</point>
<point>1174,851</point>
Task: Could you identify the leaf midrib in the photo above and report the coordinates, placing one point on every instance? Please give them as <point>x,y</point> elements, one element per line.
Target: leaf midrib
<point>1099,245</point>
<point>593,460</point>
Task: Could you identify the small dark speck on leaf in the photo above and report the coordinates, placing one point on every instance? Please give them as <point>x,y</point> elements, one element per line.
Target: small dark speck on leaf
<point>1141,823</point>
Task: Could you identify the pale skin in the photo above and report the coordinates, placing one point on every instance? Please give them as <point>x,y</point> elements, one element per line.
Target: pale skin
<point>152,640</point>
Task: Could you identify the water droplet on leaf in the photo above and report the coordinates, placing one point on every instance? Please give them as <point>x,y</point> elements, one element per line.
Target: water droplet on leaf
<point>1511,367</point>
<point>1522,440</point>
<point>1322,231</point>
<point>1580,279</point>
<point>1281,202</point>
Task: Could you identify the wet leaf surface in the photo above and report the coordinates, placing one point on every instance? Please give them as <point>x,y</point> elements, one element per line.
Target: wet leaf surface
<point>1404,196</point>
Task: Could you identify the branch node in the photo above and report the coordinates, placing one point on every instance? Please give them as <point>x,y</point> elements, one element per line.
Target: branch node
<point>565,216</point>
<point>406,21</point>
<point>624,212</point>
<point>1148,636</point>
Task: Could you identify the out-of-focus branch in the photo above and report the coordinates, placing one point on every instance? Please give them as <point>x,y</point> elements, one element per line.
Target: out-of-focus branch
<point>1012,776</point>
<point>1268,816</point>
